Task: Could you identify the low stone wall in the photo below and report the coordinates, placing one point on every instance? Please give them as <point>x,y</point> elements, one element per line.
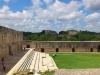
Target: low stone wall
<point>63,46</point>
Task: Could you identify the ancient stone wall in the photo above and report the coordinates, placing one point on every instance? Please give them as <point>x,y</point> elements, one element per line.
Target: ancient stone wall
<point>10,40</point>
<point>64,46</point>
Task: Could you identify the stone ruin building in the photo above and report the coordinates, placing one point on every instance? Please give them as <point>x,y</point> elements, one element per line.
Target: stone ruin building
<point>63,46</point>
<point>12,40</point>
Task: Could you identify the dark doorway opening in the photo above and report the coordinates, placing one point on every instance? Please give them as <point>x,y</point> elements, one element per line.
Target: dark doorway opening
<point>28,46</point>
<point>73,49</point>
<point>9,49</point>
<point>99,48</point>
<point>57,49</point>
<point>42,49</point>
<point>91,50</point>
<point>18,47</point>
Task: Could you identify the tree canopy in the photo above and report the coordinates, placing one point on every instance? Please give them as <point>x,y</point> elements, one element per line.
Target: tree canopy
<point>81,36</point>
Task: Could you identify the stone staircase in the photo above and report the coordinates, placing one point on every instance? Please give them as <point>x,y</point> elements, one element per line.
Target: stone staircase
<point>34,60</point>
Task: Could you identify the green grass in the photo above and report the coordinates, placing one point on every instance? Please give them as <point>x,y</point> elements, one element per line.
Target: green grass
<point>49,73</point>
<point>77,60</point>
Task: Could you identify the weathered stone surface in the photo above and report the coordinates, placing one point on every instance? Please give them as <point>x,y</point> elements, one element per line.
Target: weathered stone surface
<point>10,40</point>
<point>64,46</point>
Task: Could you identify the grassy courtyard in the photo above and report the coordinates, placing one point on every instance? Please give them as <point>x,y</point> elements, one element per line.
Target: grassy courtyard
<point>77,60</point>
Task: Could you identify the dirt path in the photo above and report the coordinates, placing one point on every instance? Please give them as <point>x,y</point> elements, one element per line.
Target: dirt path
<point>11,61</point>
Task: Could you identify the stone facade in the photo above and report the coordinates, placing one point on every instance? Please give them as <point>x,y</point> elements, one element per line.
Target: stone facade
<point>10,40</point>
<point>64,46</point>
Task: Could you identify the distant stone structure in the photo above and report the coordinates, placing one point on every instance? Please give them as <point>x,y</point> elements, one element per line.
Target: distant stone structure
<point>10,40</point>
<point>64,46</point>
<point>49,32</point>
<point>72,32</point>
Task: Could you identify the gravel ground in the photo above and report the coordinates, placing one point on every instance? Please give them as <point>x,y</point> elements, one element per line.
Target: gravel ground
<point>10,61</point>
<point>77,72</point>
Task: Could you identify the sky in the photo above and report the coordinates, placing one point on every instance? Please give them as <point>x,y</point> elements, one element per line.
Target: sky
<point>56,15</point>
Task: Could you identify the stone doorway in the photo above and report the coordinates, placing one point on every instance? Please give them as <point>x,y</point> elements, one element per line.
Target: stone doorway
<point>91,50</point>
<point>28,46</point>
<point>18,47</point>
<point>57,49</point>
<point>73,49</point>
<point>42,49</point>
<point>99,48</point>
<point>9,49</point>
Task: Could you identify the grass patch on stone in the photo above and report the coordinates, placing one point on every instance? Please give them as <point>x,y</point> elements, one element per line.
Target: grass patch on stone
<point>26,72</point>
<point>77,60</point>
<point>49,73</point>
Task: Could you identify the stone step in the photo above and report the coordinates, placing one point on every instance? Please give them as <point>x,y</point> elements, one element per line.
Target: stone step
<point>37,62</point>
<point>32,66</point>
<point>40,63</point>
<point>27,62</point>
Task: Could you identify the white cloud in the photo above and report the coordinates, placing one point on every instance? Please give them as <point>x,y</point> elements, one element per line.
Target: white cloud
<point>72,16</point>
<point>92,27</point>
<point>36,3</point>
<point>93,5</point>
<point>15,20</point>
<point>6,1</point>
<point>92,22</point>
<point>47,1</point>
<point>4,9</point>
<point>38,18</point>
<point>60,11</point>
<point>5,12</point>
<point>93,17</point>
<point>65,8</point>
<point>64,16</point>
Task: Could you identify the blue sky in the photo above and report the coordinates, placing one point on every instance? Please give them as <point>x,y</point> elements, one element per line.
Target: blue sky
<point>57,15</point>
